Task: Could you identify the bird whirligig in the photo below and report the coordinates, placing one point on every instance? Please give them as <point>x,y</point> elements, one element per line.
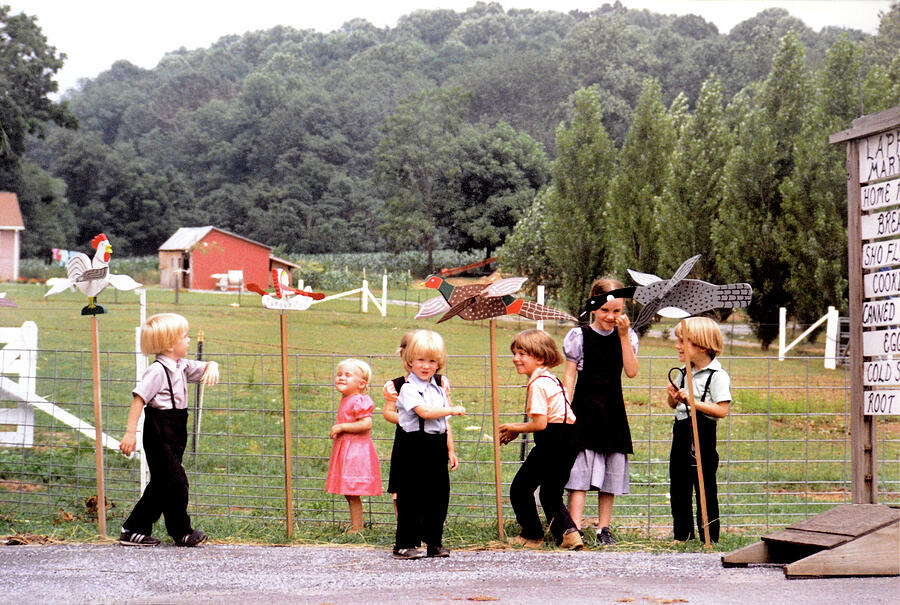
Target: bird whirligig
<point>91,276</point>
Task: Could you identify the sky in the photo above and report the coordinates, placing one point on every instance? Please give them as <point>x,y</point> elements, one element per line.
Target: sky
<point>96,33</point>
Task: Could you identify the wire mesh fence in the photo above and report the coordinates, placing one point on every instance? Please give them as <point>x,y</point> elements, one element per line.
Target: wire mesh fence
<point>784,447</point>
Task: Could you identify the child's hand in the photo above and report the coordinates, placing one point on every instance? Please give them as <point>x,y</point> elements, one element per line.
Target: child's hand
<point>128,443</point>
<point>336,430</point>
<point>622,324</point>
<point>506,435</point>
<point>457,410</point>
<point>454,461</point>
<point>211,374</point>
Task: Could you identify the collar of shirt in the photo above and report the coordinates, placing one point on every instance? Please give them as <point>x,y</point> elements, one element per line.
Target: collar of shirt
<point>538,372</point>
<point>420,384</point>
<point>170,363</point>
<point>712,366</point>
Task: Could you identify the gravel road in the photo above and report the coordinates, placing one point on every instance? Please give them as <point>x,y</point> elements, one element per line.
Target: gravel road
<point>229,574</point>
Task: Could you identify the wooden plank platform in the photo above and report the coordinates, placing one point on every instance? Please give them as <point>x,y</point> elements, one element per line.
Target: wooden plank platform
<point>851,539</point>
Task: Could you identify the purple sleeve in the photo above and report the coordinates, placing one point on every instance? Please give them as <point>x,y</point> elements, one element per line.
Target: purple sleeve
<point>193,370</point>
<point>152,382</point>
<point>573,346</point>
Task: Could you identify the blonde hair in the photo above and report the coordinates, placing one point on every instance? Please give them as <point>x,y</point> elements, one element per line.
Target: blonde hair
<point>602,285</point>
<point>161,332</point>
<point>539,345</point>
<point>703,332</point>
<point>404,342</point>
<point>359,366</point>
<point>425,343</point>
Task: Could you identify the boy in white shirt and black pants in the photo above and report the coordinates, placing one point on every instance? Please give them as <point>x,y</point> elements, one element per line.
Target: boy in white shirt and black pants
<point>163,390</point>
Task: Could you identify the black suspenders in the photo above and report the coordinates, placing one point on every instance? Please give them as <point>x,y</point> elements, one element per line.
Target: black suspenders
<point>169,380</point>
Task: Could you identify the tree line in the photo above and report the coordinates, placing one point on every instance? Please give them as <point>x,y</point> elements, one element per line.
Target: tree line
<point>587,142</point>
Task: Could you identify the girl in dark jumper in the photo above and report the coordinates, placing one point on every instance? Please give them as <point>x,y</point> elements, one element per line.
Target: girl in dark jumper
<point>597,354</point>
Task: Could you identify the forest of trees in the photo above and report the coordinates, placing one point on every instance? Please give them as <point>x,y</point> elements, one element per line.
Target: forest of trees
<point>578,144</point>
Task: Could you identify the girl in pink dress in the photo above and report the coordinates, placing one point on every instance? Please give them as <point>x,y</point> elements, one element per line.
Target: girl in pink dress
<point>353,470</point>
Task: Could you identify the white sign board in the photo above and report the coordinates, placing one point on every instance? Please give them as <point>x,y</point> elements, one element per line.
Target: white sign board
<point>881,254</point>
<point>881,283</point>
<point>881,342</point>
<point>881,373</point>
<point>881,313</point>
<point>880,224</point>
<point>881,403</point>
<point>879,195</point>
<point>879,156</point>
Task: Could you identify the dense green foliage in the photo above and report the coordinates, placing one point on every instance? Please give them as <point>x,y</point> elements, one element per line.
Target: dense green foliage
<point>446,130</point>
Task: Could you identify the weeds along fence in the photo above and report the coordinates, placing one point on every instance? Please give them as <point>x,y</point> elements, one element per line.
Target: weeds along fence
<point>784,448</point>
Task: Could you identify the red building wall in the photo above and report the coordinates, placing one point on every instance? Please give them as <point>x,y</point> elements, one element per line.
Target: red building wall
<point>220,252</point>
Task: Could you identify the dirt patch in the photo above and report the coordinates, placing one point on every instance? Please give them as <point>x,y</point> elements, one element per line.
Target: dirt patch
<point>19,486</point>
<point>27,539</point>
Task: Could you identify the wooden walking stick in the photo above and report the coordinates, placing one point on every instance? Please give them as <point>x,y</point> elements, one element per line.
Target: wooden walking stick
<point>495,418</point>
<point>689,378</point>
<point>98,427</point>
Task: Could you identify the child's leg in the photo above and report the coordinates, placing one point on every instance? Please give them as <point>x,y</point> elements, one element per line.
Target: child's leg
<point>173,427</point>
<point>682,476</point>
<point>576,506</point>
<point>149,506</point>
<point>356,512</point>
<point>436,496</point>
<point>558,445</point>
<point>604,508</point>
<point>709,458</point>
<point>521,496</point>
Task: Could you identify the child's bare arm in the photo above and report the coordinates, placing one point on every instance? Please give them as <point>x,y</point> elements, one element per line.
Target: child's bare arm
<point>569,374</point>
<point>629,360</point>
<point>511,430</point>
<point>390,411</point>
<point>432,413</point>
<point>129,440</point>
<point>357,426</point>
<point>716,410</point>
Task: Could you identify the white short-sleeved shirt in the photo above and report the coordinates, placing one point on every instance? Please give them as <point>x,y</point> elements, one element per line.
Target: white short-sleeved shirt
<point>719,388</point>
<point>573,344</point>
<point>154,387</point>
<point>416,392</point>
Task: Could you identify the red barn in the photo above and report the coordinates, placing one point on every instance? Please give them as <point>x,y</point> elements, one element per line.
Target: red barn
<point>10,239</point>
<point>203,254</point>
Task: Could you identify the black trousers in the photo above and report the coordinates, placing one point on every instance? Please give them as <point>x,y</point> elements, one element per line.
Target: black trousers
<point>683,478</point>
<point>165,437</point>
<point>422,481</point>
<point>547,466</point>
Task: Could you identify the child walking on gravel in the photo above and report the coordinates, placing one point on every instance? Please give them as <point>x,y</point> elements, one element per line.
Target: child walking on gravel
<point>162,396</point>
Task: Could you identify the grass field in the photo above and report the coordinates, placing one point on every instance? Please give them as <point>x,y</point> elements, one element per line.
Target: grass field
<point>784,448</point>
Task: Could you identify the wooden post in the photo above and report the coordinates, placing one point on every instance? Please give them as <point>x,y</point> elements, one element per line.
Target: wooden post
<point>98,424</point>
<point>495,415</point>
<point>873,183</point>
<point>689,378</point>
<point>288,480</point>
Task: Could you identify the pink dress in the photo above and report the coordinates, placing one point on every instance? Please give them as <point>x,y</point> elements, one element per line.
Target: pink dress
<point>354,469</point>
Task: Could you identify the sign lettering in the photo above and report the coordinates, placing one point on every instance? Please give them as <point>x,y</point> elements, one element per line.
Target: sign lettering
<point>881,283</point>
<point>879,156</point>
<point>881,224</point>
<point>879,195</point>
<point>881,403</point>
<point>881,342</point>
<point>881,373</point>
<point>880,313</point>
<point>881,254</point>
